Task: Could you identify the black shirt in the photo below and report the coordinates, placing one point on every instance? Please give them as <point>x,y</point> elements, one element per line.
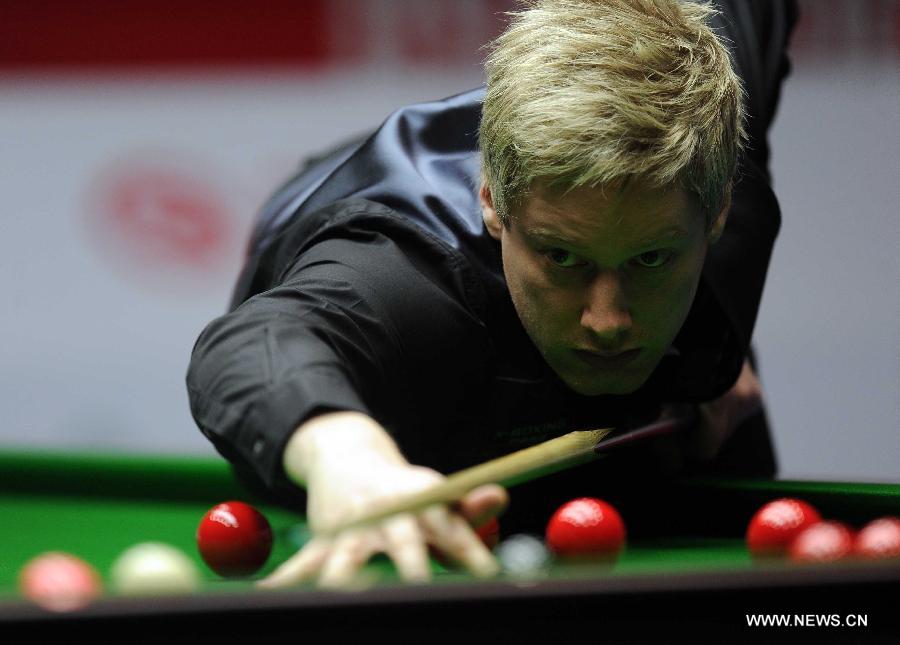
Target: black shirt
<point>372,285</point>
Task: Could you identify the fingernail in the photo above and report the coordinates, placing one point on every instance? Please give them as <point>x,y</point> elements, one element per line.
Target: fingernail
<point>358,582</point>
<point>266,583</point>
<point>488,568</point>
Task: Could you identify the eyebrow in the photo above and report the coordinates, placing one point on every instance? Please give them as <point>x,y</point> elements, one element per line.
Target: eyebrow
<point>663,234</point>
<point>666,234</point>
<point>540,231</point>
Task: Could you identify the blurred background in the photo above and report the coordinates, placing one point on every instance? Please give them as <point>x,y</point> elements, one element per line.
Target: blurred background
<point>138,139</point>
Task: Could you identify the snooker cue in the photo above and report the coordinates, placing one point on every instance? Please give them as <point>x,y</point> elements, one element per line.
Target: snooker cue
<point>524,465</point>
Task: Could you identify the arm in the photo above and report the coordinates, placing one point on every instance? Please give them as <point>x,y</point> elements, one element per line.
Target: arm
<point>291,383</point>
<point>737,264</point>
<point>310,344</point>
<point>716,422</point>
<point>720,418</point>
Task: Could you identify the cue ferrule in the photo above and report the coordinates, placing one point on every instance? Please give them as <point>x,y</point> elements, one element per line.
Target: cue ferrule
<point>657,429</point>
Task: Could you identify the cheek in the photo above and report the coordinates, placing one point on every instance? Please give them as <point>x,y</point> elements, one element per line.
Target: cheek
<point>666,306</point>
<point>553,297</point>
<point>541,305</point>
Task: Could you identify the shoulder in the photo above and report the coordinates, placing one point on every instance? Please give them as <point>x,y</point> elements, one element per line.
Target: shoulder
<point>403,268</point>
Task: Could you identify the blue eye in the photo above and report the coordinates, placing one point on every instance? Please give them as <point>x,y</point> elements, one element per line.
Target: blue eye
<point>653,259</point>
<point>563,258</point>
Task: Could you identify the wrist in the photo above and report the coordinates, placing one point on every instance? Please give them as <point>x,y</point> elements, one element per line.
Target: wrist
<point>337,441</point>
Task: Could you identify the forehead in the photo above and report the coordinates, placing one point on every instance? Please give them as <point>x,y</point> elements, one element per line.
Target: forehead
<point>629,213</point>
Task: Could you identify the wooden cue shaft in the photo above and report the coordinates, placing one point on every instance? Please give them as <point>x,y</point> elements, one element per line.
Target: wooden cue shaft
<point>544,458</point>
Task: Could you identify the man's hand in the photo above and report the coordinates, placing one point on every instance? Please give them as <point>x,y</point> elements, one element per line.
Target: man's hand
<point>348,463</point>
<point>718,419</point>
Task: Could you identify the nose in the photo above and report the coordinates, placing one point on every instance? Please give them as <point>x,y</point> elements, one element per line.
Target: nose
<point>605,311</point>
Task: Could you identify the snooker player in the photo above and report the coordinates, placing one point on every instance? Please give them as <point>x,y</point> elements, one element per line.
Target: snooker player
<point>582,243</point>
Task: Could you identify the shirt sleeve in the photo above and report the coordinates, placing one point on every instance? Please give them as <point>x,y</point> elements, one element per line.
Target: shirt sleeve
<point>342,328</point>
<point>309,345</point>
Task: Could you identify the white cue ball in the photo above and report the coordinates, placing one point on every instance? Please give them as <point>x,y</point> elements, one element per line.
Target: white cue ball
<point>523,555</point>
<point>152,568</point>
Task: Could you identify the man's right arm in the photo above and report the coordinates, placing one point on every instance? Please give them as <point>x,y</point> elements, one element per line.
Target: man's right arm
<point>312,344</point>
<point>290,385</point>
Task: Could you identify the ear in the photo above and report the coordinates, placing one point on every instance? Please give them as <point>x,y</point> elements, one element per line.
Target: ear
<point>715,231</point>
<point>488,212</point>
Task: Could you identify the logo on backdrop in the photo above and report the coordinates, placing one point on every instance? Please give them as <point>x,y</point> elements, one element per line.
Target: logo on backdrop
<point>161,218</point>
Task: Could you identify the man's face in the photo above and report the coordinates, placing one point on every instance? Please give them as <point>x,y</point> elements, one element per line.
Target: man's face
<point>603,279</point>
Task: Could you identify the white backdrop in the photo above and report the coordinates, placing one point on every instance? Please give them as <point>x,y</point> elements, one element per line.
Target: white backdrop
<point>95,340</point>
<point>829,326</point>
<point>128,196</point>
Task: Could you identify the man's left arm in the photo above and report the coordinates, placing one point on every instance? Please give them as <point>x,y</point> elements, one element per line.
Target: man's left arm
<point>737,264</point>
<point>718,419</point>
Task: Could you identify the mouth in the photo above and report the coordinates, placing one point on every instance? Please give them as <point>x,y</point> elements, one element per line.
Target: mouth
<point>607,360</point>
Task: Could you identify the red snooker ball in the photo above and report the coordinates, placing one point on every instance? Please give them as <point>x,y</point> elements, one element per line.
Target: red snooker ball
<point>234,539</point>
<point>879,539</point>
<point>822,542</point>
<point>586,527</point>
<point>489,532</point>
<point>775,525</point>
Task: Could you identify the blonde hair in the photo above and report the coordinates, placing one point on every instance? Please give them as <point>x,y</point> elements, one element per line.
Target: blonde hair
<point>595,92</point>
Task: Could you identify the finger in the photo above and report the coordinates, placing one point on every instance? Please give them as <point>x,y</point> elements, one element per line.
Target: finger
<point>707,435</point>
<point>349,553</point>
<point>483,503</point>
<point>451,534</point>
<point>405,545</point>
<point>299,567</point>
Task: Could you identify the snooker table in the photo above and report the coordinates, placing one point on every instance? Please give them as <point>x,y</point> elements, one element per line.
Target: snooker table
<point>693,580</point>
